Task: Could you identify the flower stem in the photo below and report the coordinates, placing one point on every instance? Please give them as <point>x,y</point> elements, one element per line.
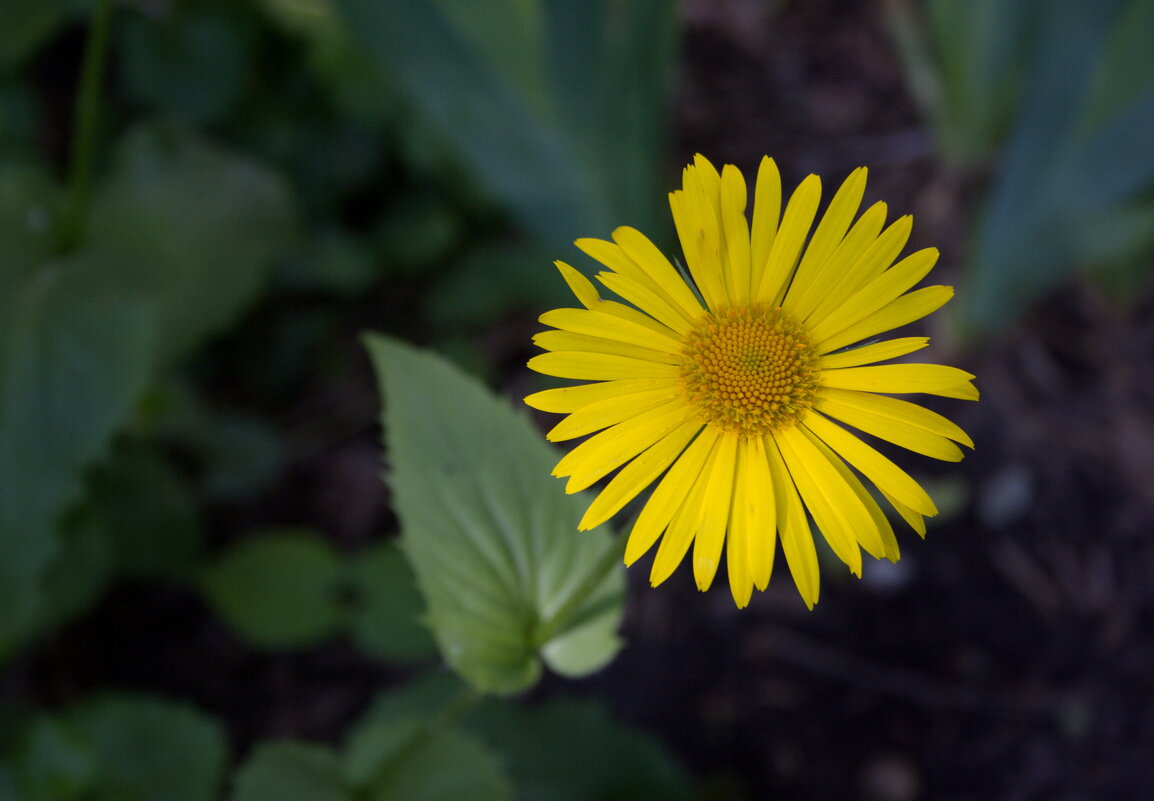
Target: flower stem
<point>84,126</point>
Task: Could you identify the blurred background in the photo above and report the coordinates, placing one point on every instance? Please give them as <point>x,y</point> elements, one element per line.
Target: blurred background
<point>205,203</point>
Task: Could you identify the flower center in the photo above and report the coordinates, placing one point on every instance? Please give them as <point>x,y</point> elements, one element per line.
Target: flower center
<point>749,370</point>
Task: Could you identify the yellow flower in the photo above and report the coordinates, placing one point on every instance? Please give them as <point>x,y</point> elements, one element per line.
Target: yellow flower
<point>727,390</point>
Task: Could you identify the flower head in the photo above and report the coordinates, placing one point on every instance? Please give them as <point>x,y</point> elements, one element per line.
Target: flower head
<point>733,390</point>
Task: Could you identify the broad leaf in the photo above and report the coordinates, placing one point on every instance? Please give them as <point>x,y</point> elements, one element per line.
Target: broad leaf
<point>569,750</point>
<point>278,590</point>
<point>147,512</point>
<point>193,225</point>
<point>123,748</point>
<point>557,106</point>
<point>290,771</point>
<point>492,538</point>
<point>405,759</point>
<point>1077,159</point>
<point>387,621</point>
<point>74,357</point>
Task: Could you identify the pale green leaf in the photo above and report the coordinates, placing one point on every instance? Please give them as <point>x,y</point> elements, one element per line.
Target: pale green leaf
<point>492,537</point>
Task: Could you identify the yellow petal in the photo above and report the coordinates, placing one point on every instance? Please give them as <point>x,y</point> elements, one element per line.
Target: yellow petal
<point>790,239</point>
<point>684,525</point>
<point>753,523</point>
<point>562,341</point>
<point>796,537</point>
<point>889,542</point>
<point>637,475</point>
<point>916,521</point>
<point>829,232</point>
<point>569,399</point>
<point>873,465</point>
<point>599,366</point>
<point>766,211</point>
<point>929,379</point>
<point>653,263</point>
<point>582,287</point>
<point>736,233</point>
<point>647,300</point>
<point>875,295</point>
<point>609,412</point>
<point>874,352</point>
<point>610,326</point>
<point>827,277</point>
<point>895,420</point>
<point>840,516</point>
<point>603,453</point>
<point>872,263</point>
<point>696,217</point>
<point>716,502</point>
<point>909,307</point>
<point>669,495</point>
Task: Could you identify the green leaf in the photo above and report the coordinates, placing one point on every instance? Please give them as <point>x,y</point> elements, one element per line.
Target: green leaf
<point>404,759</point>
<point>290,771</point>
<point>29,201</point>
<point>148,513</point>
<point>54,762</point>
<point>74,356</point>
<point>149,750</point>
<point>492,538</point>
<point>569,750</point>
<point>470,296</point>
<point>195,226</point>
<point>193,63</point>
<point>79,573</point>
<point>1079,155</point>
<point>980,49</point>
<point>386,621</point>
<point>558,107</point>
<point>278,590</point>
<point>563,750</point>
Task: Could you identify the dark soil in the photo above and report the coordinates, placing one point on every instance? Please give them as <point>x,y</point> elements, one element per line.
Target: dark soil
<point>1009,656</point>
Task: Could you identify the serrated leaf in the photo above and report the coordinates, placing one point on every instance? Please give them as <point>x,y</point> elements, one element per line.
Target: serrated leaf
<point>386,620</point>
<point>290,771</point>
<point>405,759</point>
<point>493,541</point>
<point>149,750</point>
<point>74,357</point>
<point>195,226</point>
<point>278,590</point>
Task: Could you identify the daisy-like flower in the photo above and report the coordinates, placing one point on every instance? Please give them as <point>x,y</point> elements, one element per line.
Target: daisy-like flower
<point>734,392</point>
